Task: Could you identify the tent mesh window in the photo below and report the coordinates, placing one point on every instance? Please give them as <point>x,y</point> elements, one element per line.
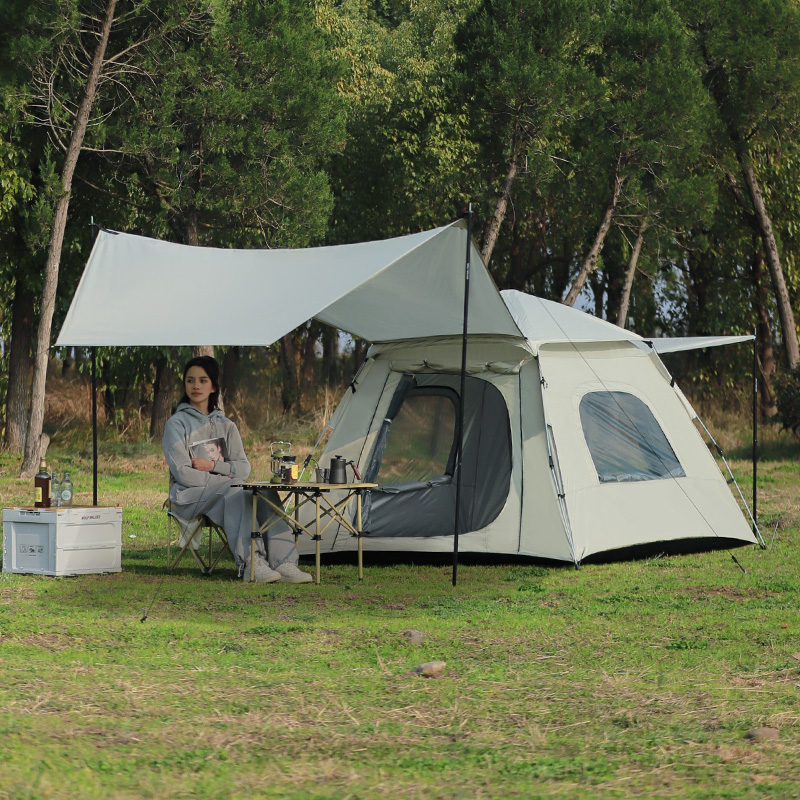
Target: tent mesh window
<point>624,439</point>
<point>421,445</point>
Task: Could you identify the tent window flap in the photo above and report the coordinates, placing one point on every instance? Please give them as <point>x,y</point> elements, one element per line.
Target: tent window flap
<point>624,439</point>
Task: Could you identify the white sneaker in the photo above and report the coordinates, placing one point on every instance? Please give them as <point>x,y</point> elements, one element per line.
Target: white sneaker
<point>291,574</point>
<point>263,574</point>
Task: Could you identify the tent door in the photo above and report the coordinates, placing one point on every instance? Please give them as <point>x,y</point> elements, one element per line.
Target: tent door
<point>413,459</point>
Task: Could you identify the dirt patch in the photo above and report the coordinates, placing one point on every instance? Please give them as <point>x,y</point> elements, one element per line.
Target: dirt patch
<point>735,593</point>
<point>52,641</point>
<point>16,593</point>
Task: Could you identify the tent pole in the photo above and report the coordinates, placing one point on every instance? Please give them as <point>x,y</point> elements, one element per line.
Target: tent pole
<point>460,446</point>
<point>755,431</point>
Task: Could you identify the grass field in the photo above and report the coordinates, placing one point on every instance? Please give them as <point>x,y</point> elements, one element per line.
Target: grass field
<point>637,678</point>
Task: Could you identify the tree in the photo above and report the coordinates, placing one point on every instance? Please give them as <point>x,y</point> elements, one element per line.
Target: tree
<point>646,130</point>
<point>226,142</point>
<point>73,148</point>
<point>522,68</point>
<point>408,147</point>
<point>750,57</point>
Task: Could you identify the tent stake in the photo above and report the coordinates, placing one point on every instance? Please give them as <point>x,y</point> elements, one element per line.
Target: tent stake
<point>460,446</point>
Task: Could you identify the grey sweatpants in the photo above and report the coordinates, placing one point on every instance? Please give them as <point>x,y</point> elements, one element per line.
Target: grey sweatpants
<point>232,508</point>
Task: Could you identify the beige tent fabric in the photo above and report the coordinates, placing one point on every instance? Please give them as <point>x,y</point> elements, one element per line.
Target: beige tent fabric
<point>613,515</point>
<point>544,394</point>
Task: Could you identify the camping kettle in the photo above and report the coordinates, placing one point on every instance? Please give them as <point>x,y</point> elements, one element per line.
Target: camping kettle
<point>338,473</point>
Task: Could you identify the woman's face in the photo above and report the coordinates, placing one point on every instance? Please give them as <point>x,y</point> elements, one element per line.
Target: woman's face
<point>198,388</point>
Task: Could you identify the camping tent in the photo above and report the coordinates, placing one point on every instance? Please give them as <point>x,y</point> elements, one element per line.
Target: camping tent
<point>576,439</point>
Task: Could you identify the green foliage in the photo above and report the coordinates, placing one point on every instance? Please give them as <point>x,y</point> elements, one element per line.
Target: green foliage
<point>224,141</point>
<point>15,187</point>
<point>239,123</point>
<point>408,142</point>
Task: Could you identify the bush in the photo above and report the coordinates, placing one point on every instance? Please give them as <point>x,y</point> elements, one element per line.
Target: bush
<point>787,391</point>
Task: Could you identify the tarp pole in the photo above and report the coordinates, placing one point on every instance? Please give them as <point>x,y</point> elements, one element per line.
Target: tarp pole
<point>94,228</point>
<point>755,431</point>
<point>460,449</point>
<point>94,426</point>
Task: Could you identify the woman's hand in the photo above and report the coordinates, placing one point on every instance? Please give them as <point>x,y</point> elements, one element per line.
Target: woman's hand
<point>203,464</point>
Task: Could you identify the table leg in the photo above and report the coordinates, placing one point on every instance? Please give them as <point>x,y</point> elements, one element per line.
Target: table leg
<point>317,536</point>
<point>358,528</point>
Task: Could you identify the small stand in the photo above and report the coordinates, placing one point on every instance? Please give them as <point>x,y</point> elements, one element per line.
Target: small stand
<point>318,493</point>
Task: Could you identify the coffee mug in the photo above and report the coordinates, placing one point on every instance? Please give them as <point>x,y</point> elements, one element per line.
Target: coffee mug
<point>322,475</point>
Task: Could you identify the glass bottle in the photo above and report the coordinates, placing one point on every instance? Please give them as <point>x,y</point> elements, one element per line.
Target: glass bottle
<point>55,490</point>
<point>66,490</point>
<point>41,486</point>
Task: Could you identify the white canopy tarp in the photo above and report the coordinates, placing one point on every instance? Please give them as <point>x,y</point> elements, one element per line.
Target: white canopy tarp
<point>140,291</point>
<point>137,291</point>
<point>544,321</point>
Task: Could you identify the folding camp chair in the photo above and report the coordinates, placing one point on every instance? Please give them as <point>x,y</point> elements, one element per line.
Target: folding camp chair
<point>190,539</point>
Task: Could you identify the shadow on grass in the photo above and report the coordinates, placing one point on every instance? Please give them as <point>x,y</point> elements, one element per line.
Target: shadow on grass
<point>153,561</point>
<point>644,552</point>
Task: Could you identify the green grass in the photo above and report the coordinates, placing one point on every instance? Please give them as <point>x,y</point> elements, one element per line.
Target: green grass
<point>623,679</point>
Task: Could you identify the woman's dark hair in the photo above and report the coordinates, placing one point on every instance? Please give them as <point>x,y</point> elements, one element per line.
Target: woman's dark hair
<point>211,368</point>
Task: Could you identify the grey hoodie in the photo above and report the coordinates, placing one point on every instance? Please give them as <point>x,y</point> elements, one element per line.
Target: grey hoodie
<point>190,486</point>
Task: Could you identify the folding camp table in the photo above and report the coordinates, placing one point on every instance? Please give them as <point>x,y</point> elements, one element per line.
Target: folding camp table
<point>328,511</point>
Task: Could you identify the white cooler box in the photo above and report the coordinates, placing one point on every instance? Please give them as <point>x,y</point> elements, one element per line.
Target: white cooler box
<point>62,541</point>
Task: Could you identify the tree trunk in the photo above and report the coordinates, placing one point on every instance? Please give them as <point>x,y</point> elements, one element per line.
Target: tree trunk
<point>330,355</point>
<point>290,386</point>
<point>630,272</point>
<point>107,393</point>
<point>785,311</point>
<point>228,381</point>
<point>19,365</point>
<point>590,262</point>
<point>499,213</point>
<point>36,419</point>
<point>163,394</point>
<point>309,359</point>
<point>766,354</point>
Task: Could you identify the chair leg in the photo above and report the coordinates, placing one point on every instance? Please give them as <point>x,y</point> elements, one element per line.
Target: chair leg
<point>215,530</point>
<point>206,566</point>
<point>171,565</point>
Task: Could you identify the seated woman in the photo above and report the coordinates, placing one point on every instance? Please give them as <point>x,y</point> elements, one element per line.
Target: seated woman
<point>206,457</point>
